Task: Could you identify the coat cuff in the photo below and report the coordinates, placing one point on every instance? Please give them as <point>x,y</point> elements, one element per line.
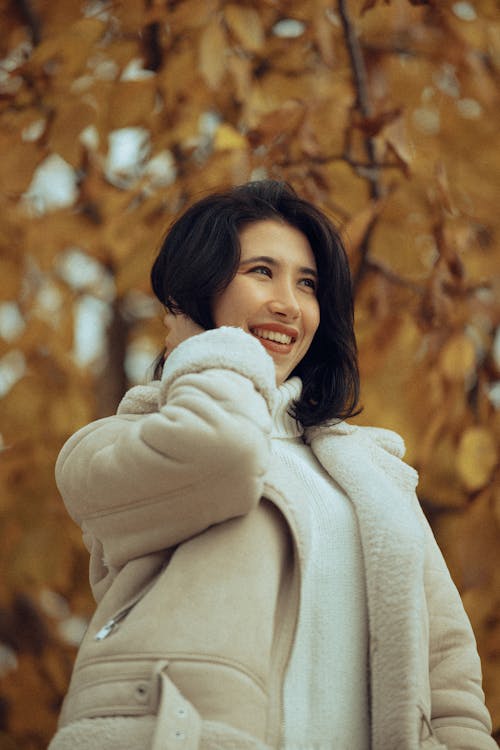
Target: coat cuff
<point>224,348</point>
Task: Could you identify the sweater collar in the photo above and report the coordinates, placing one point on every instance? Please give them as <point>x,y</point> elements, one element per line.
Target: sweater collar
<point>284,425</point>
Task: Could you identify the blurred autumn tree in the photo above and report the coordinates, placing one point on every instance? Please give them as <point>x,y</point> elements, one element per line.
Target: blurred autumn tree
<point>114,116</point>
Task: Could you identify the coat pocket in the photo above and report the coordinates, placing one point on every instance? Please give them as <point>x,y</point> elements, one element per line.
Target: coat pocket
<point>111,625</point>
<point>432,743</point>
<point>428,740</point>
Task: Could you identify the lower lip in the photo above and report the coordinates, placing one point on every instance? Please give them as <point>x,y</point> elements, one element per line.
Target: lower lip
<point>273,346</point>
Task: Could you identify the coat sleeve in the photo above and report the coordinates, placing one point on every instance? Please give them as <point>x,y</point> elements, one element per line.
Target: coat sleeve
<point>459,717</point>
<point>139,483</point>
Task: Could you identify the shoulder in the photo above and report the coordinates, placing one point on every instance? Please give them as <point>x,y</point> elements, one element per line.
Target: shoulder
<point>364,451</point>
<point>380,437</point>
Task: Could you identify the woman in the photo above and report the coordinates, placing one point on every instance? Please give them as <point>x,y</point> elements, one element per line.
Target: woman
<point>264,575</point>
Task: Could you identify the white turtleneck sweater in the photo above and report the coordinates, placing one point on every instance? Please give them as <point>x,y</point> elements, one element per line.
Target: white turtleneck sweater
<point>326,685</point>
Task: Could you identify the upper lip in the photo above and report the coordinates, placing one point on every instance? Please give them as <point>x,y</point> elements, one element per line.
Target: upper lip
<point>278,327</point>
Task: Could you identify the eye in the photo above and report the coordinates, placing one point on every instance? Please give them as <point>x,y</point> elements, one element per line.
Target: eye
<point>309,283</point>
<point>263,270</point>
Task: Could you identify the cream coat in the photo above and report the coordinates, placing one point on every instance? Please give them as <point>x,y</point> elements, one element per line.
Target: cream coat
<point>196,545</point>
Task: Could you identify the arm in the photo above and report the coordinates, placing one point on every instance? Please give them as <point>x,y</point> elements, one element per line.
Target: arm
<point>140,483</point>
<point>459,717</point>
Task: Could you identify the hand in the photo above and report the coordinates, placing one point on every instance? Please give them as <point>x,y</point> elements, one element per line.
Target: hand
<point>180,327</point>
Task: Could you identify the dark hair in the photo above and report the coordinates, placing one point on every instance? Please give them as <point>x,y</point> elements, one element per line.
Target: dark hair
<point>200,255</point>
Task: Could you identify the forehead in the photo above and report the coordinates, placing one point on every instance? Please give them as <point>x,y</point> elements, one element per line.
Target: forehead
<point>278,240</point>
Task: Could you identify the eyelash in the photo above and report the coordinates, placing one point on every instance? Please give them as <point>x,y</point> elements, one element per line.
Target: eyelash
<point>311,283</point>
<point>261,268</point>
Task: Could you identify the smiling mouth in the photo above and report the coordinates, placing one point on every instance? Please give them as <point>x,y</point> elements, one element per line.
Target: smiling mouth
<point>274,336</point>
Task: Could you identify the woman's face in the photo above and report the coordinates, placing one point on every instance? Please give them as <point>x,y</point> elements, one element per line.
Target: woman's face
<point>273,295</point>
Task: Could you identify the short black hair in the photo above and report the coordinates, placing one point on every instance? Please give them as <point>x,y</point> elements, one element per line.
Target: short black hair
<point>199,257</point>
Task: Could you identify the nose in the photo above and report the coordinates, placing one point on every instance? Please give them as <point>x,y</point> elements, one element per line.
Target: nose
<point>284,302</point>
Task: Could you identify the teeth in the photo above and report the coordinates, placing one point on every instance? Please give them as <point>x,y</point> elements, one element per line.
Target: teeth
<point>280,338</point>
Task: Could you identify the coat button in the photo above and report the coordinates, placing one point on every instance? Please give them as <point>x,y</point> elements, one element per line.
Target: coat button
<point>142,692</point>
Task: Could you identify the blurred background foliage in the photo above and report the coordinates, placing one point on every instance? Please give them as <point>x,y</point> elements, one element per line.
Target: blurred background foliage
<point>114,116</point>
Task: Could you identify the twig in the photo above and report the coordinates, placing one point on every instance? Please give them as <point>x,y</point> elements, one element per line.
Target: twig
<point>362,168</point>
<point>357,62</point>
<point>363,104</point>
<point>462,292</point>
<point>31,19</point>
<point>152,46</point>
<point>393,277</point>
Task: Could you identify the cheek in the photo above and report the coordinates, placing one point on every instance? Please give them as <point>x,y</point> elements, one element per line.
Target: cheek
<point>241,301</point>
<point>313,319</point>
<point>228,308</point>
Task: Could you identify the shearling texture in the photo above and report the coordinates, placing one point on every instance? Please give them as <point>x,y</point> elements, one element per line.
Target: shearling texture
<point>400,556</point>
<point>224,347</point>
<point>136,733</point>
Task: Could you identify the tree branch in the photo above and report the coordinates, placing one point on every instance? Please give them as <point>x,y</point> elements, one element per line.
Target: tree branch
<point>392,277</point>
<point>357,61</point>
<point>152,46</point>
<point>31,19</point>
<point>363,105</point>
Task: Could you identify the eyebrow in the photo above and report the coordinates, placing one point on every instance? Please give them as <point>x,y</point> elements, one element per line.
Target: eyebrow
<point>273,262</point>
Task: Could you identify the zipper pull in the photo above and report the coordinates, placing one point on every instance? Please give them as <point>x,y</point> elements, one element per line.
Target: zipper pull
<point>105,630</point>
<point>108,628</point>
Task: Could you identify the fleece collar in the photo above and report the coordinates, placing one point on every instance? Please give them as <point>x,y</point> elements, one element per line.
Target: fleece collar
<point>366,464</point>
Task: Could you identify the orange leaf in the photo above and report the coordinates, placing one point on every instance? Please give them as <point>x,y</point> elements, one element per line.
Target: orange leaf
<point>371,126</point>
<point>228,138</point>
<point>458,358</point>
<point>131,103</point>
<point>211,50</point>
<point>71,46</point>
<point>359,224</point>
<point>476,457</point>
<point>246,25</point>
<point>71,117</point>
